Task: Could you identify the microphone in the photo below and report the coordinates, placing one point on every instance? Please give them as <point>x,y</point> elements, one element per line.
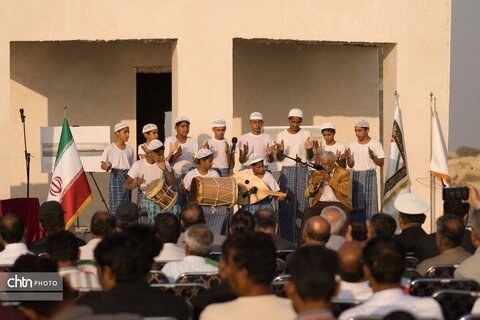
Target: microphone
<point>318,167</point>
<point>250,192</point>
<point>234,142</point>
<point>22,116</point>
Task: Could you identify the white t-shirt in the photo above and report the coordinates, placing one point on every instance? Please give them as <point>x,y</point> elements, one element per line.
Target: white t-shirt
<point>361,157</point>
<point>150,172</point>
<point>218,149</point>
<point>256,143</point>
<point>267,178</point>
<point>385,301</point>
<point>190,263</point>
<point>185,160</point>
<point>187,180</point>
<point>333,148</point>
<point>294,145</point>
<point>267,306</point>
<point>120,159</point>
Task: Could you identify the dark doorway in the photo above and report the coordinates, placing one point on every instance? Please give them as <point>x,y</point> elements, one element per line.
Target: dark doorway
<point>154,98</point>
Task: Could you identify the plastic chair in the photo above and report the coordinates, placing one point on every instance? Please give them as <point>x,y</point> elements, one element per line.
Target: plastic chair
<point>210,279</point>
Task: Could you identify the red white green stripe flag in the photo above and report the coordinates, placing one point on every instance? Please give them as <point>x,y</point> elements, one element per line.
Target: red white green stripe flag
<point>69,184</point>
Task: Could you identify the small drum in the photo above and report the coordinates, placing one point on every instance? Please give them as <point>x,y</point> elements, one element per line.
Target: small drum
<point>214,191</point>
<point>161,194</point>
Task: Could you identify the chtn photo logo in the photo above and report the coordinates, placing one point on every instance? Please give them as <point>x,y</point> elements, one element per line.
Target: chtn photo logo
<point>23,282</point>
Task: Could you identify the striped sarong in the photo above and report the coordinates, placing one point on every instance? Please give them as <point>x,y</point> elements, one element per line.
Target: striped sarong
<point>116,193</point>
<point>152,209</point>
<point>265,203</point>
<point>364,191</point>
<point>296,198</point>
<point>216,218</point>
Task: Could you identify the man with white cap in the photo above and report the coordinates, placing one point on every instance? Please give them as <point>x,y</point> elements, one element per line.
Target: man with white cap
<point>220,147</point>
<point>293,142</point>
<point>257,168</point>
<point>180,149</point>
<point>215,217</point>
<point>411,216</point>
<point>364,155</point>
<point>256,141</point>
<point>118,158</point>
<point>329,144</point>
<point>144,171</point>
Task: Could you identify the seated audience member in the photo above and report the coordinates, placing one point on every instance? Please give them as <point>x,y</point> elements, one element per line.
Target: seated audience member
<point>384,266</point>
<point>266,222</point>
<point>167,229</point>
<point>198,244</point>
<point>337,219</point>
<point>127,215</point>
<point>192,214</point>
<point>124,260</point>
<point>469,268</point>
<point>316,231</point>
<point>102,224</point>
<point>57,309</point>
<point>51,215</point>
<point>218,294</point>
<point>241,221</point>
<point>382,225</point>
<point>250,266</point>
<point>427,245</point>
<point>312,283</point>
<point>12,233</point>
<point>353,284</point>
<point>411,216</point>
<point>62,248</point>
<point>450,233</point>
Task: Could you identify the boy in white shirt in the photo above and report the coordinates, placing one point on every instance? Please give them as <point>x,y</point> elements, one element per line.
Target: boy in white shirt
<point>330,144</point>
<point>145,171</point>
<point>118,158</point>
<point>255,160</point>
<point>293,142</point>
<point>180,149</point>
<point>220,147</point>
<point>364,155</point>
<point>256,141</point>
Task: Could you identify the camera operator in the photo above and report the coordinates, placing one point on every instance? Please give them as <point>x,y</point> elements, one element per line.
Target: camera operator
<point>426,246</point>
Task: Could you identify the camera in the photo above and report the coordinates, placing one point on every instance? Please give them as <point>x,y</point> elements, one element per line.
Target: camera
<point>453,201</point>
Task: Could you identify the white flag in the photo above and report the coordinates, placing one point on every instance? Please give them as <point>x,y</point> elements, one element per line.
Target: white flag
<point>439,162</point>
<point>397,181</point>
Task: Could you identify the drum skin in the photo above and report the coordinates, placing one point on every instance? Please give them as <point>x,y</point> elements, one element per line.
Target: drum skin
<point>214,191</point>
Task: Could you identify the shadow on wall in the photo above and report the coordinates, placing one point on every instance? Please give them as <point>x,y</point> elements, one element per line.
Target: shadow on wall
<point>322,79</point>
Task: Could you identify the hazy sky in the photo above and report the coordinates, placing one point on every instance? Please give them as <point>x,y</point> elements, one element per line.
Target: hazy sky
<point>465,75</point>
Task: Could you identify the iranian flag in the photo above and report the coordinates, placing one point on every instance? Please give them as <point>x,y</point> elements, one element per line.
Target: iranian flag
<point>69,184</point>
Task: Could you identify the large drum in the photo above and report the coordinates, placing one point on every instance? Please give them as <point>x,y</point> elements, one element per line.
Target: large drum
<point>214,191</point>
<point>161,194</point>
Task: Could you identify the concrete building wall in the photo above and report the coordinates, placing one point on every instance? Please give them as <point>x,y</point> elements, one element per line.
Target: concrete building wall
<point>414,35</point>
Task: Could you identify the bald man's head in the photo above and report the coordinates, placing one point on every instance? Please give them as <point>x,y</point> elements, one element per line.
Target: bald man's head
<point>316,231</point>
<point>192,214</point>
<point>351,266</point>
<point>336,217</point>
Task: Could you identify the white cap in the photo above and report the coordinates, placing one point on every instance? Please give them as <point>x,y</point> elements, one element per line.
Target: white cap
<point>203,153</point>
<point>219,123</point>
<point>182,119</point>
<point>120,126</point>
<point>256,116</point>
<point>295,113</point>
<point>254,158</point>
<point>149,127</point>
<point>410,203</point>
<point>327,125</point>
<point>362,123</point>
<point>154,144</point>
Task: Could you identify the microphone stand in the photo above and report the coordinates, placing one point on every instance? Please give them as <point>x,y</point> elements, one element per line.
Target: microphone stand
<point>298,162</point>
<point>27,154</point>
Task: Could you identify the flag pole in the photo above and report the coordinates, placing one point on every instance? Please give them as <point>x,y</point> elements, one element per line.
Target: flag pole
<point>432,178</point>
